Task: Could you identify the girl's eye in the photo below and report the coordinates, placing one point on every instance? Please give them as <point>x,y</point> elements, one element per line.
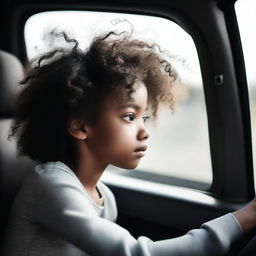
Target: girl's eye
<point>145,118</point>
<point>129,117</point>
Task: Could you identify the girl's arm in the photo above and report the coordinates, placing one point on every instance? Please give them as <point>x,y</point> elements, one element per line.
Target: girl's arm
<point>62,208</point>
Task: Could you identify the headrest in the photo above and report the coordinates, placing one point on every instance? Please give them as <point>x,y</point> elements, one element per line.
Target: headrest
<point>11,71</point>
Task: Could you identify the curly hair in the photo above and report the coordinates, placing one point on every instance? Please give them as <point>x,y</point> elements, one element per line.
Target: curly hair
<point>69,82</point>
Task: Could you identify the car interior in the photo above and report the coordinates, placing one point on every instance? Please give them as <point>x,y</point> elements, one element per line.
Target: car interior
<point>153,204</point>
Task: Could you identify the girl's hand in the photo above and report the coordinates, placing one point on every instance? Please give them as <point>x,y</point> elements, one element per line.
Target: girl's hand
<point>246,216</point>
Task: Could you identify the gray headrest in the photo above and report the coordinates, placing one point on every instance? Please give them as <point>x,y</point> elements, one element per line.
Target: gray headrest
<point>11,71</point>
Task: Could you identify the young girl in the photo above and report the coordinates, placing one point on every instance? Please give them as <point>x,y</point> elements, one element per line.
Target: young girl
<point>79,112</point>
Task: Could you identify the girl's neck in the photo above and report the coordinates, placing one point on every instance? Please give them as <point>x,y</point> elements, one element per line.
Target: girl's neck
<point>88,179</point>
<point>87,168</point>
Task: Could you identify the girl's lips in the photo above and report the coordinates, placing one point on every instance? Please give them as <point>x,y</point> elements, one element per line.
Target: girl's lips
<point>140,152</point>
<point>143,149</point>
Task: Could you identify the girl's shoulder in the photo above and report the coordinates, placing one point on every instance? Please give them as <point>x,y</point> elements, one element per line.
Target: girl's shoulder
<point>58,177</point>
<point>50,178</point>
<point>55,172</point>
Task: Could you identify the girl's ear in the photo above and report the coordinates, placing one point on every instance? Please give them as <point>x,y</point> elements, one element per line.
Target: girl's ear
<point>77,129</point>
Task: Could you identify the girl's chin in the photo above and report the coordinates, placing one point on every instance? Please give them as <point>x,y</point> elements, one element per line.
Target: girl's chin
<point>129,166</point>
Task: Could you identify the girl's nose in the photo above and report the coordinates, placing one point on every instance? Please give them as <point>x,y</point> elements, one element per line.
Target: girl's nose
<point>143,133</point>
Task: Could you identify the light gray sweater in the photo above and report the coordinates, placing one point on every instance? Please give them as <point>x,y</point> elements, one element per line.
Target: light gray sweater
<point>53,215</point>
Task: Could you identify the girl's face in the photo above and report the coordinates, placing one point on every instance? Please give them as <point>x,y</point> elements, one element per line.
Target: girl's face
<point>119,136</point>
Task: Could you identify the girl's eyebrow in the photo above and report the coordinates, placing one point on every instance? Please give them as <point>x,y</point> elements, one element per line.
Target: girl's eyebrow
<point>131,105</point>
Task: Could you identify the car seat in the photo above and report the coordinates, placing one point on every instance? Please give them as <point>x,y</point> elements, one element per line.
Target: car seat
<point>12,169</point>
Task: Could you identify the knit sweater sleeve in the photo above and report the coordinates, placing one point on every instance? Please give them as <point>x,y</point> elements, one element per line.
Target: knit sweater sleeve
<point>62,208</point>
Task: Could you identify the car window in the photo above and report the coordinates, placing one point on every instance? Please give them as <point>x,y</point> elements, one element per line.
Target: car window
<point>245,11</point>
<point>179,142</point>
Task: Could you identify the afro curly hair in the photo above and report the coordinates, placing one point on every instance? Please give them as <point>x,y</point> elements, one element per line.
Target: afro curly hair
<point>69,82</point>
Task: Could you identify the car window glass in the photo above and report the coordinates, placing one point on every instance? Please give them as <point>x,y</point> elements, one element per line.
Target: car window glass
<point>179,143</point>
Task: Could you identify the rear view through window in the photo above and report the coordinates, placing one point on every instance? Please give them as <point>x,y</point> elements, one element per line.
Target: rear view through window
<point>178,143</point>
